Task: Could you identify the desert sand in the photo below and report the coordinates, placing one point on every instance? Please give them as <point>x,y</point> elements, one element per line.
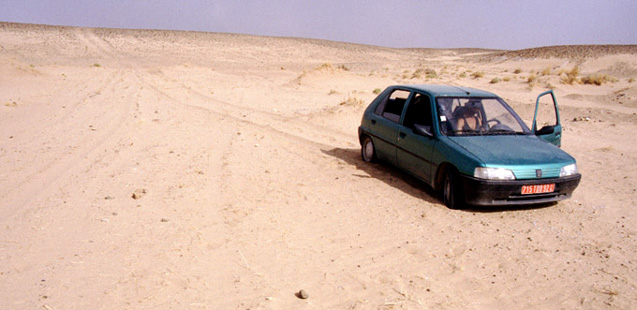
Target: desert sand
<point>148,169</point>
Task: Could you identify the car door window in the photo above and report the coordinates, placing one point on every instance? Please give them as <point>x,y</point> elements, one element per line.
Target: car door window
<point>418,112</point>
<point>392,106</point>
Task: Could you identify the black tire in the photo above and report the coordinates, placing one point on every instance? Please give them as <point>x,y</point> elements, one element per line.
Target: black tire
<point>368,151</point>
<point>451,192</point>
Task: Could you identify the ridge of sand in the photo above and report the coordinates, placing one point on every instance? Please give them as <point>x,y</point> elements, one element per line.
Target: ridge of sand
<point>163,170</point>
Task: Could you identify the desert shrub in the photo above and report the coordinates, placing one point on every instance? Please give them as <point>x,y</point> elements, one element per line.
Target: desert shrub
<point>631,80</point>
<point>325,66</point>
<point>351,101</point>
<point>332,92</point>
<point>598,79</point>
<point>429,73</point>
<point>546,71</point>
<point>517,71</point>
<point>477,74</point>
<point>506,79</point>
<point>377,91</point>
<point>463,75</point>
<point>495,80</point>
<point>97,65</point>
<point>531,79</point>
<point>343,67</point>
<point>570,77</point>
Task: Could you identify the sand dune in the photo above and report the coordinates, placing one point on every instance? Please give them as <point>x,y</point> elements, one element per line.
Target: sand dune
<point>181,170</point>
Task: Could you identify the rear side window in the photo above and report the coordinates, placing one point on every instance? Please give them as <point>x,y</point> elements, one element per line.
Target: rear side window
<point>392,106</point>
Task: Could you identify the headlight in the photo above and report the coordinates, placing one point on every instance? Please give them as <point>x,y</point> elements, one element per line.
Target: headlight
<point>493,173</point>
<point>568,170</point>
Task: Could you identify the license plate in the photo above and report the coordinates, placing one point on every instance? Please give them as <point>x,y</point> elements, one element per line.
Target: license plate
<point>538,189</point>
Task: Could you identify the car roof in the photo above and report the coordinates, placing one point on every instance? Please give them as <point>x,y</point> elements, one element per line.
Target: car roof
<point>448,90</point>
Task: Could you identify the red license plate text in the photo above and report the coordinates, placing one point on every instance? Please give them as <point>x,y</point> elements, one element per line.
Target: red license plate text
<point>538,189</point>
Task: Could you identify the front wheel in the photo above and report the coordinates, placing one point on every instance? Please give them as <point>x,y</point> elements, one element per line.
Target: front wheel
<point>368,152</point>
<point>451,193</point>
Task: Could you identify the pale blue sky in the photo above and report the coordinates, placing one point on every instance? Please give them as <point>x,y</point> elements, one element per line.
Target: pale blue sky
<point>435,24</point>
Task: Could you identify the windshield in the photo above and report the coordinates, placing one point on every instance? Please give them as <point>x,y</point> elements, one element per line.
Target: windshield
<point>477,116</point>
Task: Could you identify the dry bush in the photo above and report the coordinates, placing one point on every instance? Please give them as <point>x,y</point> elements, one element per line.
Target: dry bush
<point>570,77</point>
<point>546,71</point>
<point>517,71</point>
<point>429,73</point>
<point>598,79</point>
<point>351,101</point>
<point>495,80</point>
<point>325,66</point>
<point>531,79</point>
<point>477,74</point>
<point>377,91</point>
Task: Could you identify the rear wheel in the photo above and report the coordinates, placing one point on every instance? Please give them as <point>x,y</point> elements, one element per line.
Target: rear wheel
<point>451,193</point>
<point>368,152</point>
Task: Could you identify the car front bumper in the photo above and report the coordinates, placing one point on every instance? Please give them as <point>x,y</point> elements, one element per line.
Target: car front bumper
<point>481,192</point>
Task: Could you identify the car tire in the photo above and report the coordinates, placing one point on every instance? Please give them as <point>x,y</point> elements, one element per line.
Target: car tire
<point>368,151</point>
<point>451,193</point>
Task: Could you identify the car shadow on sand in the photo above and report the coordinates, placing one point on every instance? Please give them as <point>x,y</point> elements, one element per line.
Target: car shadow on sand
<point>410,185</point>
<point>389,175</point>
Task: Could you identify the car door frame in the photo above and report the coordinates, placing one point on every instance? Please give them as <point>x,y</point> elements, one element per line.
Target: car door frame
<point>385,130</point>
<point>551,134</point>
<point>415,148</point>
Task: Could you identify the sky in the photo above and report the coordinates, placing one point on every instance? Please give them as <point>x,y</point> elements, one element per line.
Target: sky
<point>497,24</point>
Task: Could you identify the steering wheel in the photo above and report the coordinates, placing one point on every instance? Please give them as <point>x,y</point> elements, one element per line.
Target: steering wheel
<point>493,120</point>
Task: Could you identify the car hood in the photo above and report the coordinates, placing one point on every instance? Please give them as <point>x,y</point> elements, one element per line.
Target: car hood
<point>512,150</point>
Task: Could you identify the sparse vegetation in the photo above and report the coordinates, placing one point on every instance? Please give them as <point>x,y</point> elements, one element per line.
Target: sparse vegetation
<point>517,71</point>
<point>429,73</point>
<point>325,66</point>
<point>631,80</point>
<point>477,74</point>
<point>598,79</point>
<point>506,79</point>
<point>96,65</point>
<point>570,77</point>
<point>332,92</point>
<point>343,67</point>
<point>546,71</point>
<point>352,101</point>
<point>377,91</point>
<point>531,79</point>
<point>495,80</point>
<point>462,75</point>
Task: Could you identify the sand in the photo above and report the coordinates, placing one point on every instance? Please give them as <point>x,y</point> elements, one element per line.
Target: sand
<point>181,170</point>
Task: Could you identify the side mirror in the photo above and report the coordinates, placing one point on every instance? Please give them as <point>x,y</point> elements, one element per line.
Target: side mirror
<point>423,130</point>
<point>546,130</point>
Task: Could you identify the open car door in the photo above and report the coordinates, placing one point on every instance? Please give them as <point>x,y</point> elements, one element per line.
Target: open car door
<point>546,121</point>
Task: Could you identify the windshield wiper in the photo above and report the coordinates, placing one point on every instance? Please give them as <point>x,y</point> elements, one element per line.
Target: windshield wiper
<point>505,132</point>
<point>468,133</point>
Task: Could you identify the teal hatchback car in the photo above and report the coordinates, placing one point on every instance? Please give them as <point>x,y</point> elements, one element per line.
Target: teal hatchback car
<point>469,144</point>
